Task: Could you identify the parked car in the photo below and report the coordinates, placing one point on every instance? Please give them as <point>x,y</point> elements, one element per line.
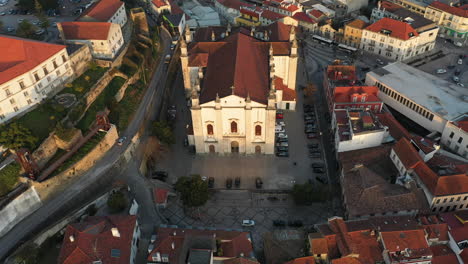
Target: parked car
<point>281,140</point>
<point>459,61</point>
<point>160,175</point>
<point>258,183</point>
<point>318,170</point>
<point>282,135</point>
<point>282,144</point>
<point>322,179</point>
<point>296,223</point>
<point>311,135</point>
<point>457,72</point>
<point>279,223</point>
<point>173,46</point>
<point>461,84</point>
<point>167,59</point>
<point>121,140</point>
<point>279,114</point>
<point>40,32</point>
<point>313,145</point>
<point>455,79</point>
<point>237,182</point>
<point>314,151</point>
<point>282,154</point>
<point>280,123</point>
<point>317,165</point>
<point>440,71</point>
<point>248,222</point>
<point>211,183</point>
<point>279,130</point>
<point>282,149</point>
<point>229,183</point>
<point>315,155</point>
<point>379,61</point>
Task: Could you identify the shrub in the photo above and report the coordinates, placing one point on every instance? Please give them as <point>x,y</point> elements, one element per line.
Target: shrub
<point>117,202</point>
<point>9,177</point>
<point>163,132</point>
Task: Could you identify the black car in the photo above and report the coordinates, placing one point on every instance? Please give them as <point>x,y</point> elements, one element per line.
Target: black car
<point>282,149</point>
<point>314,151</point>
<point>316,165</point>
<point>282,154</point>
<point>311,135</point>
<point>322,179</point>
<point>315,155</point>
<point>313,145</point>
<point>279,223</point>
<point>365,69</point>
<point>237,182</point>
<point>258,183</point>
<point>211,182</point>
<point>318,170</point>
<point>451,67</point>
<point>457,72</point>
<point>160,175</point>
<point>297,223</point>
<point>229,183</point>
<point>282,139</point>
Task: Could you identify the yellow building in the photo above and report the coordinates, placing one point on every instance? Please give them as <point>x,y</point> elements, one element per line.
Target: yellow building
<point>452,21</point>
<point>249,17</point>
<point>353,32</point>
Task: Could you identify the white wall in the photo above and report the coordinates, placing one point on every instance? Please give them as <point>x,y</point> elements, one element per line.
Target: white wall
<point>282,67</point>
<point>362,141</point>
<point>34,91</point>
<point>119,17</point>
<point>136,238</point>
<point>451,136</point>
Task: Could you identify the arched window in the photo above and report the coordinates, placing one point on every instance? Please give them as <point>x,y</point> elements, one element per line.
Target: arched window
<point>258,130</point>
<point>209,129</point>
<point>233,127</point>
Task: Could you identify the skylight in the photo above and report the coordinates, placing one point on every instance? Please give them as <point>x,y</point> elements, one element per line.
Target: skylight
<point>115,253</point>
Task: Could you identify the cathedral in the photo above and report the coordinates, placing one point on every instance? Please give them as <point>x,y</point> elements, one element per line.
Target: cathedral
<point>236,79</point>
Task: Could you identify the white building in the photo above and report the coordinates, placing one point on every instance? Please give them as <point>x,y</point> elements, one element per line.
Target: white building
<point>80,57</point>
<point>236,82</point>
<point>159,6</point>
<point>112,11</point>
<point>455,136</point>
<point>354,5</point>
<point>229,9</point>
<point>396,39</point>
<point>104,39</point>
<point>355,129</point>
<point>30,71</point>
<point>424,98</point>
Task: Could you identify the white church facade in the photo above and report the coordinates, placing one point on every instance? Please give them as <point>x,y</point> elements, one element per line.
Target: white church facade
<point>236,80</point>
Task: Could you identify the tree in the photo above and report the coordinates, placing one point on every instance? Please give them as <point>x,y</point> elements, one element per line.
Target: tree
<point>16,136</point>
<point>163,132</point>
<point>26,4</point>
<point>193,190</point>
<point>44,23</point>
<point>26,30</point>
<point>306,194</point>
<point>9,178</point>
<point>38,7</point>
<point>310,89</point>
<point>27,255</point>
<point>117,201</point>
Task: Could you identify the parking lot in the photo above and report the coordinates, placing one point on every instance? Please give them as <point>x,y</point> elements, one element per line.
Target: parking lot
<point>450,68</point>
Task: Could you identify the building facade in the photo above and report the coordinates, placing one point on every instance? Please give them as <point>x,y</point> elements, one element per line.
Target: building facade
<point>233,107</point>
<point>105,40</point>
<point>415,6</point>
<point>230,9</point>
<point>112,11</point>
<point>455,136</point>
<point>353,32</point>
<point>31,71</point>
<point>160,6</point>
<point>397,40</point>
<point>80,57</point>
<point>452,21</point>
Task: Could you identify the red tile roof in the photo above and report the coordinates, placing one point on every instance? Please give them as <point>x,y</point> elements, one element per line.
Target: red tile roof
<point>175,9</point>
<point>273,16</point>
<point>303,260</point>
<point>437,231</point>
<point>234,243</point>
<point>93,240</point>
<point>301,16</point>
<point>357,23</point>
<point>458,11</point>
<point>409,239</point>
<point>86,30</point>
<point>343,94</point>
<point>389,6</point>
<point>102,10</point>
<point>341,72</point>
<point>462,123</point>
<point>253,12</point>
<point>234,4</point>
<point>463,256</point>
<point>441,250</point>
<point>458,224</point>
<point>397,131</point>
<point>395,28</point>
<point>407,153</point>
<point>316,13</point>
<point>19,56</point>
<point>346,260</point>
<point>239,261</point>
<point>159,3</point>
<point>288,94</point>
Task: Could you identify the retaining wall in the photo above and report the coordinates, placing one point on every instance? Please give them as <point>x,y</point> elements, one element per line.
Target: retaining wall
<point>45,152</point>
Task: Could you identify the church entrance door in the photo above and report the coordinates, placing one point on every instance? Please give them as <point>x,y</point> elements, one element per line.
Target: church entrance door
<point>212,148</point>
<point>234,147</point>
<point>258,150</point>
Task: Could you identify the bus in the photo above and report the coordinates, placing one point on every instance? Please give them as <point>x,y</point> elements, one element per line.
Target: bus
<point>322,39</point>
<point>347,48</point>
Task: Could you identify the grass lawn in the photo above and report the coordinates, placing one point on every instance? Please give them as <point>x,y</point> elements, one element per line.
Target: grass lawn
<point>102,101</point>
<point>122,113</point>
<point>82,84</point>
<point>85,149</point>
<point>9,177</point>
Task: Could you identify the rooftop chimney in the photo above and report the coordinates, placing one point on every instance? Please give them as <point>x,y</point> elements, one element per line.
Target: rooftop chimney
<point>115,232</point>
<point>173,245</point>
<point>72,238</point>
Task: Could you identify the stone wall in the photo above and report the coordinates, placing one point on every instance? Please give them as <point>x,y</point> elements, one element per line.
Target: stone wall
<point>67,145</point>
<point>121,93</point>
<point>45,152</point>
<point>18,209</point>
<point>97,89</point>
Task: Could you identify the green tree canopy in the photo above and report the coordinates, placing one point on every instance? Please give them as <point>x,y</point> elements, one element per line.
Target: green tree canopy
<point>193,190</point>
<point>15,136</point>
<point>306,194</point>
<point>26,30</point>
<point>9,178</point>
<point>27,255</point>
<point>163,132</point>
<point>44,22</point>
<point>117,201</point>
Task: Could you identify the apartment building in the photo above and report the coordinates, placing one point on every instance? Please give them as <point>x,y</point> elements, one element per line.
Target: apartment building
<point>111,11</point>
<point>104,39</point>
<point>337,75</point>
<point>423,98</point>
<point>353,32</point>
<point>31,71</point>
<point>415,6</point>
<point>397,39</point>
<point>452,21</point>
<point>455,136</point>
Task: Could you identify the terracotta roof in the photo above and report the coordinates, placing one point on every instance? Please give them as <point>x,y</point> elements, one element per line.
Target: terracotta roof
<point>234,243</point>
<point>407,153</point>
<point>19,56</point>
<point>240,261</point>
<point>458,224</point>
<point>251,11</point>
<point>160,195</point>
<point>397,131</point>
<point>463,256</point>
<point>394,28</point>
<point>425,144</point>
<point>175,9</point>
<point>346,260</point>
<point>273,16</point>
<point>462,123</point>
<point>301,16</point>
<point>303,260</point>
<point>234,4</point>
<point>442,185</point>
<point>316,13</point>
<point>102,10</point>
<point>94,240</point>
<point>86,30</point>
<point>437,231</point>
<point>159,3</point>
<point>288,94</point>
<point>459,11</point>
<point>318,246</point>
<point>409,239</point>
<point>343,94</point>
<point>357,23</point>
<point>389,6</point>
<point>442,254</point>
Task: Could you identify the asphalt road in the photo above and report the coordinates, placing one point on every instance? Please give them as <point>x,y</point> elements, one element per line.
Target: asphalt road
<point>97,179</point>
